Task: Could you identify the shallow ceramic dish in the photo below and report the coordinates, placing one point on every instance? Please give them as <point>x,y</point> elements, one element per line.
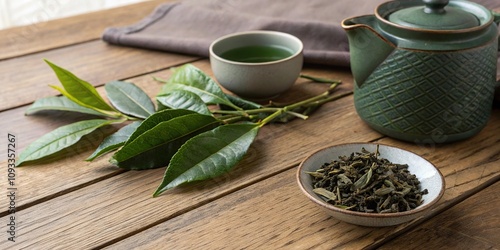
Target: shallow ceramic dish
<point>429,176</point>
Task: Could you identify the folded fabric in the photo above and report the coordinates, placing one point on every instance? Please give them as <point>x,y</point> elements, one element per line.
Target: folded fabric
<point>190,26</point>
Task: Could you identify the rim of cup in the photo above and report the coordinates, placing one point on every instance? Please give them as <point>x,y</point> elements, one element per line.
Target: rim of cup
<point>297,52</point>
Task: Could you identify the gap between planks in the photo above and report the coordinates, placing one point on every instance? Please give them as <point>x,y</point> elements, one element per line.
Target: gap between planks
<point>63,192</point>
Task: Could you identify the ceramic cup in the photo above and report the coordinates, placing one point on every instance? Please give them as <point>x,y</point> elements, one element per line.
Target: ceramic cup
<point>257,64</point>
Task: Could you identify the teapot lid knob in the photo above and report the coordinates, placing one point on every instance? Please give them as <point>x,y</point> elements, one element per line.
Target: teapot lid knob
<point>435,6</point>
<point>434,15</point>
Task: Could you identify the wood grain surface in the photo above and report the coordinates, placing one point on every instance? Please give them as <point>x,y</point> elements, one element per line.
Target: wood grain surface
<point>122,204</point>
<point>471,224</point>
<point>68,203</point>
<point>95,62</point>
<point>272,212</point>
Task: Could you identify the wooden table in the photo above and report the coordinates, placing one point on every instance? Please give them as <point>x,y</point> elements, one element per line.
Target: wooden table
<point>73,204</point>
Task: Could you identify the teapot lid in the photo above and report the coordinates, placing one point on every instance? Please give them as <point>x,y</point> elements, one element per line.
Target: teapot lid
<point>435,15</point>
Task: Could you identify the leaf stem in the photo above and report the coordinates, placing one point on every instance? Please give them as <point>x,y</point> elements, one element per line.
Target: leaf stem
<point>320,80</point>
<point>313,99</point>
<point>327,99</point>
<point>310,102</point>
<point>229,112</point>
<point>307,101</point>
<point>301,116</point>
<point>111,114</point>
<point>245,112</point>
<point>225,117</point>
<point>235,119</point>
<point>271,117</point>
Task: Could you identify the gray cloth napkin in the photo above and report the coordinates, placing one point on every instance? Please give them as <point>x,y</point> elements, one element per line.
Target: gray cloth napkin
<point>190,26</point>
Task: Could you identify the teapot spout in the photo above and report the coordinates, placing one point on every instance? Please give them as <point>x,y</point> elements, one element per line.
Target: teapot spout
<point>367,48</point>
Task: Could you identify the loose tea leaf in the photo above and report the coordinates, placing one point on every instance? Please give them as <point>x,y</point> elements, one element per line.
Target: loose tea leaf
<point>129,99</point>
<point>325,193</point>
<point>364,182</point>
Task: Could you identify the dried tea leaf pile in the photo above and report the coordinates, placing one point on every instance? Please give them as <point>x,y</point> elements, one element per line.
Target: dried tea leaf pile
<point>364,182</point>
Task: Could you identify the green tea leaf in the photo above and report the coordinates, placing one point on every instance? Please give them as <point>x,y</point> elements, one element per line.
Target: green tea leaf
<point>363,180</point>
<point>242,103</point>
<point>61,103</point>
<point>315,174</point>
<point>345,207</point>
<point>208,155</point>
<point>81,90</point>
<point>157,118</point>
<point>181,99</point>
<point>112,114</point>
<point>383,191</point>
<point>129,99</point>
<point>192,79</point>
<point>114,141</point>
<point>60,138</point>
<point>325,193</point>
<point>155,147</point>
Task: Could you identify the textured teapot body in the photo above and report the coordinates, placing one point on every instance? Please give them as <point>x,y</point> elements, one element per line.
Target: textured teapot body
<point>416,85</point>
<point>427,97</point>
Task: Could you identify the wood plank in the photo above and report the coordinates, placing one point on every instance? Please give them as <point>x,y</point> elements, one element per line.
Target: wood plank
<point>46,175</point>
<point>62,32</point>
<point>472,224</point>
<point>276,215</point>
<point>271,214</point>
<point>122,205</point>
<point>95,62</point>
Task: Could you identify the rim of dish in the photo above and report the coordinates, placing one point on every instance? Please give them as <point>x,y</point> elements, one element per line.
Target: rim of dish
<point>298,52</point>
<point>329,206</point>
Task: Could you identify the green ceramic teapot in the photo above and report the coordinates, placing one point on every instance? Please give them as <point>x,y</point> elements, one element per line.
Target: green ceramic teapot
<point>424,70</point>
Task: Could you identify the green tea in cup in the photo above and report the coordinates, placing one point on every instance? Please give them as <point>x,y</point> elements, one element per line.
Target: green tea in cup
<point>257,53</point>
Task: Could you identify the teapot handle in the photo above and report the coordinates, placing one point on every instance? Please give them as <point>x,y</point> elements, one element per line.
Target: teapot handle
<point>496,19</point>
<point>496,16</point>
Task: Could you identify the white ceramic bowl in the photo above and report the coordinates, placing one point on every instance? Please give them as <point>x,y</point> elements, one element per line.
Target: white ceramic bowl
<point>429,176</point>
<point>257,80</point>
